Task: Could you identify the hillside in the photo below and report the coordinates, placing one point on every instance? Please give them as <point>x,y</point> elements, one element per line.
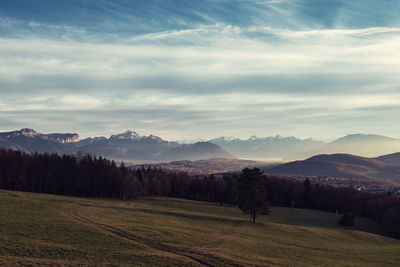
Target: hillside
<point>342,166</point>
<point>393,159</point>
<point>53,230</point>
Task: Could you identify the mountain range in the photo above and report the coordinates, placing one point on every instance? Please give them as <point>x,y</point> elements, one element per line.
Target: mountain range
<point>127,146</point>
<point>292,148</point>
<point>355,156</point>
<point>267,148</point>
<point>130,146</point>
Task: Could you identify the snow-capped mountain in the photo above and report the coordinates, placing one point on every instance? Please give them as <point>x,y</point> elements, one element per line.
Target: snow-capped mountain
<point>273,147</point>
<point>126,146</point>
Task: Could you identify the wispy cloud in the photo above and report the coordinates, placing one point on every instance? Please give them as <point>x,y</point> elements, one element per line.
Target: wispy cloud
<point>281,69</point>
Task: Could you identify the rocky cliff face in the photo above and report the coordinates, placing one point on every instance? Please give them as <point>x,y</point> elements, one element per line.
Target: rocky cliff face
<point>23,132</point>
<point>55,137</point>
<point>63,138</point>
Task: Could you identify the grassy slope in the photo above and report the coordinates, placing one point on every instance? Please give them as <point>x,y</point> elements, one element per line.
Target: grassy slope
<point>44,229</point>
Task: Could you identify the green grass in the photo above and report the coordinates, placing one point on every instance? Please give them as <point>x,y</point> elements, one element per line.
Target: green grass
<point>53,230</point>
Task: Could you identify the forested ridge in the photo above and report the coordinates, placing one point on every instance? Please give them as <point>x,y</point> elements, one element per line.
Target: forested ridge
<point>89,176</point>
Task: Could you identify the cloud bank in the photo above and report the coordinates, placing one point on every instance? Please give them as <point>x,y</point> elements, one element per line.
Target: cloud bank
<point>287,67</point>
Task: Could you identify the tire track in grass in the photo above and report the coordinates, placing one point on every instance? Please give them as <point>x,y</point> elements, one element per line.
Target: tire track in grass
<point>140,242</point>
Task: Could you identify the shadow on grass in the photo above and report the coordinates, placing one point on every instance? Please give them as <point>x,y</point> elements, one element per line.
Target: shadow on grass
<point>169,213</point>
<point>185,202</point>
<point>191,216</point>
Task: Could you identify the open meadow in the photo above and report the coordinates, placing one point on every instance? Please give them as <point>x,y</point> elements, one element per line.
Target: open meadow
<point>38,229</point>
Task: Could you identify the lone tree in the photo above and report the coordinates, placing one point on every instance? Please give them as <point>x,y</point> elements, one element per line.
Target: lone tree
<point>347,219</point>
<point>253,193</point>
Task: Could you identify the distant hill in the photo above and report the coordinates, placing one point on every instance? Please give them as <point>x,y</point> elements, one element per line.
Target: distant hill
<point>366,145</point>
<point>341,166</point>
<point>267,148</point>
<point>126,146</point>
<point>393,159</point>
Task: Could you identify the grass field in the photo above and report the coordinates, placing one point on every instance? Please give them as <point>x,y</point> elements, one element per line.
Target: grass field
<point>53,230</point>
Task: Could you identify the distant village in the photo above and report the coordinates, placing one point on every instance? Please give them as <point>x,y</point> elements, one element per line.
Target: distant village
<point>359,184</point>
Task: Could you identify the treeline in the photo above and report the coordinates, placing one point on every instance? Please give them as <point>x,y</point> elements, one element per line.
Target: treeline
<point>99,177</point>
<point>86,176</point>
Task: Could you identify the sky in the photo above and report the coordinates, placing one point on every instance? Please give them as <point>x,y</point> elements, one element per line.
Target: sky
<point>184,69</point>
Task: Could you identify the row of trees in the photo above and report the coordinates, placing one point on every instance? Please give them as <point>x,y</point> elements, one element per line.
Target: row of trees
<point>251,190</point>
<point>86,176</point>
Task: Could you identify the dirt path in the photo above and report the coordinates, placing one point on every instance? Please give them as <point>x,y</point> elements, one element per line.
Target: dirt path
<point>191,257</point>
